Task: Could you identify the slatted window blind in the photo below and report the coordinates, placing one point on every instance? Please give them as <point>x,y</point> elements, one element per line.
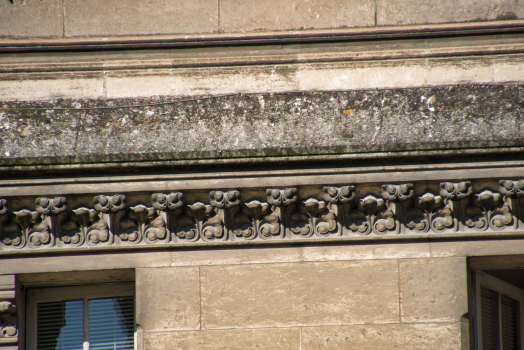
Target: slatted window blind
<point>94,324</point>
<point>499,320</point>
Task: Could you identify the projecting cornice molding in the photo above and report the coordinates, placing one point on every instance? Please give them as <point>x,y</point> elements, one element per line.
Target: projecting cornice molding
<point>290,215</point>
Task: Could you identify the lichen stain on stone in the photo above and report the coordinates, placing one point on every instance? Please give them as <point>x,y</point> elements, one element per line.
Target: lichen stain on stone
<point>348,112</point>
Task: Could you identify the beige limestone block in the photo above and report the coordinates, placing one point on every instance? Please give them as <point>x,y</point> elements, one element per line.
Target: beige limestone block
<point>507,70</point>
<point>399,12</point>
<point>366,251</point>
<point>229,339</point>
<point>477,248</point>
<point>253,15</point>
<point>36,88</point>
<point>136,17</point>
<point>433,290</point>
<point>83,262</point>
<point>168,298</point>
<point>31,18</point>
<point>443,336</point>
<point>266,255</point>
<point>447,71</point>
<point>360,75</point>
<point>201,81</point>
<point>299,294</point>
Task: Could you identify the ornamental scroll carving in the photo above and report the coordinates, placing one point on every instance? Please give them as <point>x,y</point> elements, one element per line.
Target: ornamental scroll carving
<point>274,214</point>
<point>8,321</point>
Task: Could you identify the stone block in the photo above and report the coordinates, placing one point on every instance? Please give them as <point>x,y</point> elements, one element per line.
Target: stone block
<point>253,15</point>
<point>506,70</point>
<point>433,290</point>
<point>299,294</point>
<point>476,248</point>
<point>237,256</point>
<point>32,88</point>
<point>84,262</point>
<point>366,251</point>
<point>33,18</point>
<point>168,298</point>
<point>399,12</point>
<point>442,336</point>
<point>230,339</point>
<point>135,17</point>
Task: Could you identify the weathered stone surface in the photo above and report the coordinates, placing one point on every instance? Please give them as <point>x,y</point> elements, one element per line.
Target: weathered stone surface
<point>433,290</point>
<point>135,17</point>
<point>400,12</point>
<point>84,262</point>
<point>168,298</point>
<point>89,86</point>
<point>230,339</point>
<point>381,337</point>
<point>31,18</point>
<point>264,125</point>
<point>366,251</point>
<point>476,248</point>
<point>237,256</point>
<point>253,15</point>
<point>299,294</point>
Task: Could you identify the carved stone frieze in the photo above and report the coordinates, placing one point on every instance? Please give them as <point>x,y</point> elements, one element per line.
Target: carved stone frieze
<point>350,211</point>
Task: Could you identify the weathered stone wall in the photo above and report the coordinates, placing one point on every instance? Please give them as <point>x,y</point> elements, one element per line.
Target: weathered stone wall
<point>74,18</point>
<point>261,125</point>
<point>369,296</point>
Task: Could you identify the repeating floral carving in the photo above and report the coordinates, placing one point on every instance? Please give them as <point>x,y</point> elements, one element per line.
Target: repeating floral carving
<point>334,212</point>
<point>255,219</point>
<point>281,197</point>
<point>397,192</point>
<point>110,204</point>
<point>200,220</point>
<point>313,217</point>
<point>509,188</point>
<point>142,222</point>
<point>456,191</point>
<point>488,211</point>
<point>430,212</point>
<point>372,215</point>
<point>8,320</point>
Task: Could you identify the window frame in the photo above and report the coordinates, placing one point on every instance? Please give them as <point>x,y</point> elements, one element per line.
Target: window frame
<point>77,292</point>
<point>483,279</point>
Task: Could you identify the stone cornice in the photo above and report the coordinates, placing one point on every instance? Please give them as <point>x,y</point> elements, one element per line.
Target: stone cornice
<point>228,217</point>
<point>263,55</point>
<point>261,37</point>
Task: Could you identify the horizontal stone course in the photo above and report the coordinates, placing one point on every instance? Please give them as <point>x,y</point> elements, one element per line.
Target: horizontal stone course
<point>437,336</point>
<point>266,125</point>
<point>135,17</point>
<point>246,16</point>
<point>401,12</point>
<point>254,296</point>
<point>229,339</point>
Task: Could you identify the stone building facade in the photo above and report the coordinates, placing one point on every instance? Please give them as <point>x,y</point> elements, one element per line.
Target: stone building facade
<point>293,174</point>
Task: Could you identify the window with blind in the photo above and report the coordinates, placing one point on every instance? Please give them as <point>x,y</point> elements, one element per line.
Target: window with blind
<point>95,317</point>
<point>499,314</point>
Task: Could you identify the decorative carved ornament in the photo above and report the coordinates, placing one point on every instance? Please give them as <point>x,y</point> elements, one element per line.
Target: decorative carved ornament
<point>280,216</point>
<point>8,322</point>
